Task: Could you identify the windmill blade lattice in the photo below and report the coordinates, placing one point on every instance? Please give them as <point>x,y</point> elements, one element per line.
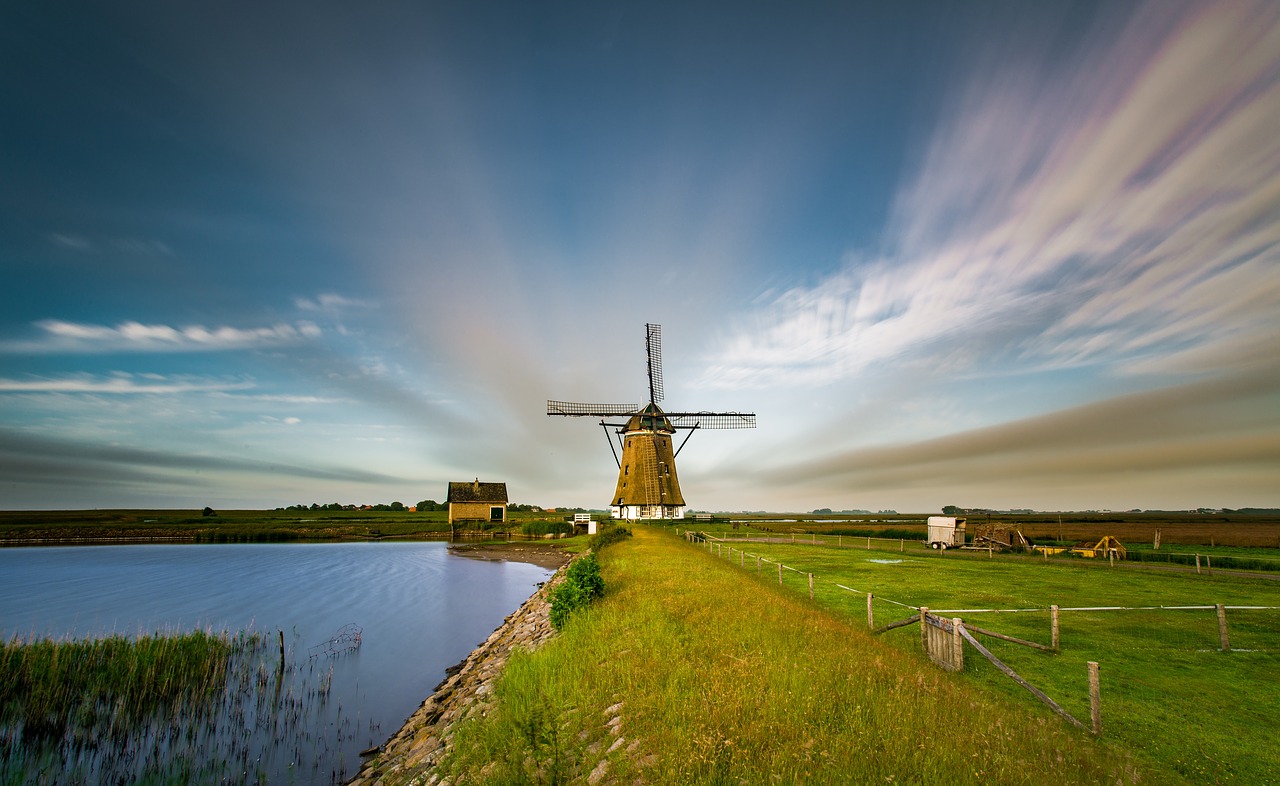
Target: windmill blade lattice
<point>574,408</point>
<point>653,346</point>
<point>712,419</point>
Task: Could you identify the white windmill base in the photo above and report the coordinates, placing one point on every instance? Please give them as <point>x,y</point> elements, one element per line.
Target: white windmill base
<point>633,512</point>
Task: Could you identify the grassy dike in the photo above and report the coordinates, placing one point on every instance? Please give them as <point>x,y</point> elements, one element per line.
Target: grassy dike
<point>689,671</point>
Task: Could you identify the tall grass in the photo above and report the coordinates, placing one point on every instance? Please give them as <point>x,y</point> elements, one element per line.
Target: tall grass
<point>183,708</point>
<point>715,678</point>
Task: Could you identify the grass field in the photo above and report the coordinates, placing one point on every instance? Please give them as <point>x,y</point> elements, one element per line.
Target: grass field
<point>690,671</point>
<point>1169,694</point>
<point>233,526</point>
<point>1256,530</point>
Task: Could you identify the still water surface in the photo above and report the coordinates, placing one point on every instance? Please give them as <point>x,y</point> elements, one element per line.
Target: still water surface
<point>421,608</point>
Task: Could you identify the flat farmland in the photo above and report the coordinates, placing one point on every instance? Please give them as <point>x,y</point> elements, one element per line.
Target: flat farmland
<point>1169,691</point>
<point>1248,530</point>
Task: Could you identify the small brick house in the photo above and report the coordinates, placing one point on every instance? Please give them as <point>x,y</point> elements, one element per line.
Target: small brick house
<point>476,501</point>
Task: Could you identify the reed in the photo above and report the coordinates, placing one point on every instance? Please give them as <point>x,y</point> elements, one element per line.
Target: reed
<point>198,707</point>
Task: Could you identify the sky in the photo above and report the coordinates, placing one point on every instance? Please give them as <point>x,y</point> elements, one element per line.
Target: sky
<point>1001,255</point>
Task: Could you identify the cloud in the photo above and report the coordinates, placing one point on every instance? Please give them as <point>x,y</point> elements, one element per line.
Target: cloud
<point>60,336</point>
<point>1123,210</point>
<point>1206,428</point>
<point>121,384</point>
<point>330,302</point>
<point>35,457</point>
<point>127,245</point>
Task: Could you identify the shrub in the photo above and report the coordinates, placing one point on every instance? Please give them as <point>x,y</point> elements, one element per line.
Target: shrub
<point>608,535</point>
<point>582,584</point>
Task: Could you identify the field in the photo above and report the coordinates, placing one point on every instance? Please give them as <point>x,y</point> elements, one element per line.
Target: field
<point>1257,530</point>
<point>233,526</point>
<point>690,670</point>
<point>1169,693</point>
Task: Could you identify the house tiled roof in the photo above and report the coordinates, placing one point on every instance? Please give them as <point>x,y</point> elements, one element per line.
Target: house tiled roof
<point>475,491</point>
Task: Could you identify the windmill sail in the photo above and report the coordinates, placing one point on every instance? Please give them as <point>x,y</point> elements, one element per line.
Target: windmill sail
<point>574,409</point>
<point>653,347</point>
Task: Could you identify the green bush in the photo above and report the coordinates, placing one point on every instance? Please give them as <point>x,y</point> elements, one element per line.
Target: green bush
<point>582,584</point>
<point>608,535</point>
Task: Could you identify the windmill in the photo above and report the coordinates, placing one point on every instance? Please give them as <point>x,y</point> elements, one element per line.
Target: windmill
<point>647,484</point>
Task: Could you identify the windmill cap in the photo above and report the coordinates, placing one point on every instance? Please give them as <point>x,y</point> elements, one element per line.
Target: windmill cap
<point>651,418</point>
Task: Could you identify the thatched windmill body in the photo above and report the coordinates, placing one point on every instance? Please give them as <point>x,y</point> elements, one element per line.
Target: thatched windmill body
<point>648,487</point>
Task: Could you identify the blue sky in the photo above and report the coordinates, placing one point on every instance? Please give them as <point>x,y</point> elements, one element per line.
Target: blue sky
<point>1000,255</point>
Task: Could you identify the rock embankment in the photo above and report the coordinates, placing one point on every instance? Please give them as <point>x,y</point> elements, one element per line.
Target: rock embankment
<point>413,752</point>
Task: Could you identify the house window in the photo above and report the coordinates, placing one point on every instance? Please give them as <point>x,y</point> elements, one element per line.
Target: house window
<point>626,470</point>
<point>495,513</point>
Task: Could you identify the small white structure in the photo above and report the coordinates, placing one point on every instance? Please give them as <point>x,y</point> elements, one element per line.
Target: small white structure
<point>584,519</point>
<point>945,532</point>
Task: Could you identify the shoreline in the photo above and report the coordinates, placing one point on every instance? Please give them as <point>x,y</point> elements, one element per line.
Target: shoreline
<point>532,552</point>
<point>425,737</point>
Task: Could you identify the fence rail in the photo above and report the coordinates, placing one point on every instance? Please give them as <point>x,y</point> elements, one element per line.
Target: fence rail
<point>949,635</point>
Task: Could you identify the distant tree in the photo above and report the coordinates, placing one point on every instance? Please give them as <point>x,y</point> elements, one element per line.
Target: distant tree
<point>951,510</point>
<point>428,505</point>
<point>208,512</point>
<point>820,511</point>
<point>397,506</point>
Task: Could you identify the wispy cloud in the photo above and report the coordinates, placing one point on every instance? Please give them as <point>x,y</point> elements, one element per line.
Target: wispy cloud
<point>121,384</point>
<point>129,245</point>
<point>1122,211</point>
<point>59,336</point>
<point>78,460</point>
<point>330,302</point>
<point>1225,424</point>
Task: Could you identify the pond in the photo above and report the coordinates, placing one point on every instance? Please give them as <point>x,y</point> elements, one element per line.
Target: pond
<point>420,610</point>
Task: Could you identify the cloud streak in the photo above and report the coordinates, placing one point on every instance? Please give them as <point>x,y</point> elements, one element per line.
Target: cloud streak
<point>1121,212</point>
<point>121,384</point>
<point>77,461</point>
<point>60,336</point>
<point>1213,426</point>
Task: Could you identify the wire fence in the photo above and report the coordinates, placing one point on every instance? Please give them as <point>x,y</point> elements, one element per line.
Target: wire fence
<point>1144,663</point>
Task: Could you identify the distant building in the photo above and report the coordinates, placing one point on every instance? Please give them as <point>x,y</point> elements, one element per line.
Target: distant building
<point>476,501</point>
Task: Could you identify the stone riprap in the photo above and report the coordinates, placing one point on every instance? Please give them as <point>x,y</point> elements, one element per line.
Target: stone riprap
<point>411,755</point>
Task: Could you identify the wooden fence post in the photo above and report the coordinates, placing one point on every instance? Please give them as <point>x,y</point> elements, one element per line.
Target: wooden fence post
<point>957,645</point>
<point>1156,545</point>
<point>1197,564</point>
<point>1222,629</point>
<point>902,544</point>
<point>868,543</point>
<point>1053,625</point>
<point>757,566</point>
<point>1095,698</point>
<point>742,558</point>
<point>871,617</point>
<point>810,586</point>
<point>813,538</point>
<point>924,629</point>
<point>779,574</point>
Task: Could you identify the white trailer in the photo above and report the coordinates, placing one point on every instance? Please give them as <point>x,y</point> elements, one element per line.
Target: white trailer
<point>945,532</point>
